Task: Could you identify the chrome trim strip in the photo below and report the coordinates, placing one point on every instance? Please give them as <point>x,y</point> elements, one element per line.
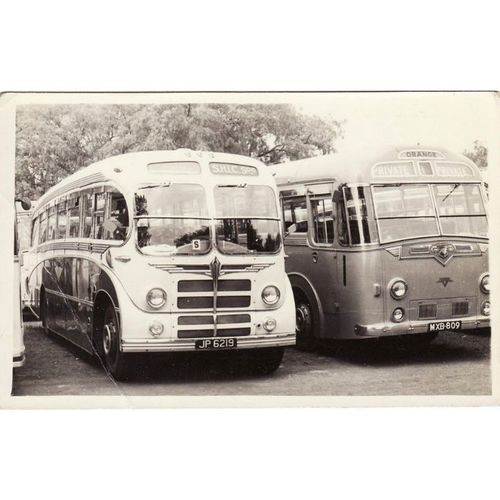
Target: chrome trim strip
<point>178,268</point>
<point>250,342</point>
<point>69,297</point>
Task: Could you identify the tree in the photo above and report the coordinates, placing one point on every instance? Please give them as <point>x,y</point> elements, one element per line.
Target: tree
<point>55,141</point>
<point>479,155</point>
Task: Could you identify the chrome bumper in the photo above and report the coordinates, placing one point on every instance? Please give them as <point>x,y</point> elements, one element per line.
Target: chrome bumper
<point>410,327</point>
<point>250,342</point>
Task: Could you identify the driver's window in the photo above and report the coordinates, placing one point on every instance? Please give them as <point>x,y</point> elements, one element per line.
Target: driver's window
<point>295,215</point>
<point>322,219</point>
<point>322,214</point>
<point>117,220</point>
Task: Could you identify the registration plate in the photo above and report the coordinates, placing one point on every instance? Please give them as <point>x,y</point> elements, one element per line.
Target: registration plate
<point>441,326</point>
<point>229,343</point>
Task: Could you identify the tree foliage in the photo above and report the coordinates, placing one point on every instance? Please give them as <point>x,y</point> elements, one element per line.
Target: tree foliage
<point>478,154</point>
<point>55,141</point>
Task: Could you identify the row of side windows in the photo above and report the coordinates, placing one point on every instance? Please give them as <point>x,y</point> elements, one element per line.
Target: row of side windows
<point>296,220</point>
<point>99,213</point>
<point>357,221</point>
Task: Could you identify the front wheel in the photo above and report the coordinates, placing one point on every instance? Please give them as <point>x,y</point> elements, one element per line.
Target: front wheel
<point>417,341</point>
<point>44,308</point>
<point>267,360</point>
<point>109,348</point>
<point>263,361</point>
<point>304,325</point>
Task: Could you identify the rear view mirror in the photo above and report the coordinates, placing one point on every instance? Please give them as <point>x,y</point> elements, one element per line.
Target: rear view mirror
<point>26,204</point>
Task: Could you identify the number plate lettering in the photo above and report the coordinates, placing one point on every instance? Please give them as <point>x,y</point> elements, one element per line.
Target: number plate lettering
<point>229,343</point>
<point>442,326</point>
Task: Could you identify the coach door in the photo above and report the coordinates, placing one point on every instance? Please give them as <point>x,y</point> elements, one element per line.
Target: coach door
<point>321,262</point>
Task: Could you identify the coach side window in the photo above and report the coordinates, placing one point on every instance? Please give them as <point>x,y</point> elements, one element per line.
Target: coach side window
<point>295,215</point>
<point>51,224</point>
<point>43,227</point>
<point>36,232</point>
<point>88,209</point>
<point>322,218</point>
<point>74,217</point>
<point>100,205</point>
<point>360,217</point>
<point>117,220</point>
<point>62,220</point>
<point>342,223</point>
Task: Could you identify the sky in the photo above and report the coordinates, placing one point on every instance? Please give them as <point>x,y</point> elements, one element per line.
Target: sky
<point>452,120</point>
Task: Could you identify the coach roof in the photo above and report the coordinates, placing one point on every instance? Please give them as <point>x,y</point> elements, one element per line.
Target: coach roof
<point>356,166</point>
<point>130,165</point>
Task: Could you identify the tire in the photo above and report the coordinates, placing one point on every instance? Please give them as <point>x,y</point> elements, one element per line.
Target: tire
<point>304,325</point>
<point>43,313</point>
<point>262,361</point>
<point>108,345</point>
<point>418,341</point>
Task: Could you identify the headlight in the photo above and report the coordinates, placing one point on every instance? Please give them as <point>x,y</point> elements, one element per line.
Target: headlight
<point>398,289</point>
<point>156,328</point>
<point>269,324</point>
<point>398,315</point>
<point>484,284</point>
<point>485,308</point>
<point>156,297</point>
<point>270,295</point>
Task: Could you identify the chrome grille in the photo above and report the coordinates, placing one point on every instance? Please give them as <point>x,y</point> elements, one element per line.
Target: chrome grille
<point>195,320</point>
<point>208,286</point>
<point>194,302</point>
<point>224,319</point>
<point>198,294</point>
<point>228,325</point>
<point>226,332</point>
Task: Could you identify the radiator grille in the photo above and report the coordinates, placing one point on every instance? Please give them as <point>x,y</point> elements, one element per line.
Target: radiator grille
<point>194,302</point>
<point>195,320</point>
<point>233,301</point>
<point>228,301</point>
<point>233,332</point>
<point>224,319</point>
<point>226,332</point>
<point>198,294</point>
<point>228,325</point>
<point>460,308</point>
<point>208,286</point>
<point>427,311</point>
<point>195,286</point>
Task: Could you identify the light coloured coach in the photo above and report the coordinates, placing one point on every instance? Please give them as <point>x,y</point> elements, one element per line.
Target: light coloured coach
<point>22,209</point>
<point>390,244</point>
<point>164,251</point>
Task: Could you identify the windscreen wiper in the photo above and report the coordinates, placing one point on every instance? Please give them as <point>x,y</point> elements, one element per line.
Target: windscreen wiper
<point>452,189</point>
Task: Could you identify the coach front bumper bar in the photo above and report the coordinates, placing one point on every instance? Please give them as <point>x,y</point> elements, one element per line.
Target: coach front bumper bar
<point>248,342</point>
<point>410,327</point>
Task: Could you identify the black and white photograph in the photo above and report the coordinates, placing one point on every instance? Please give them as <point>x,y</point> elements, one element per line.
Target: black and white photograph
<point>249,250</point>
<point>257,245</point>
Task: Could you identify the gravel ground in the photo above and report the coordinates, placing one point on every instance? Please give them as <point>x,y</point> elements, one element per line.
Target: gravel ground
<point>454,364</point>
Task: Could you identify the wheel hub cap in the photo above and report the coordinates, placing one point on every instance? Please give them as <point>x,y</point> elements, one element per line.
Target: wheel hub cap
<point>300,320</point>
<point>107,337</point>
